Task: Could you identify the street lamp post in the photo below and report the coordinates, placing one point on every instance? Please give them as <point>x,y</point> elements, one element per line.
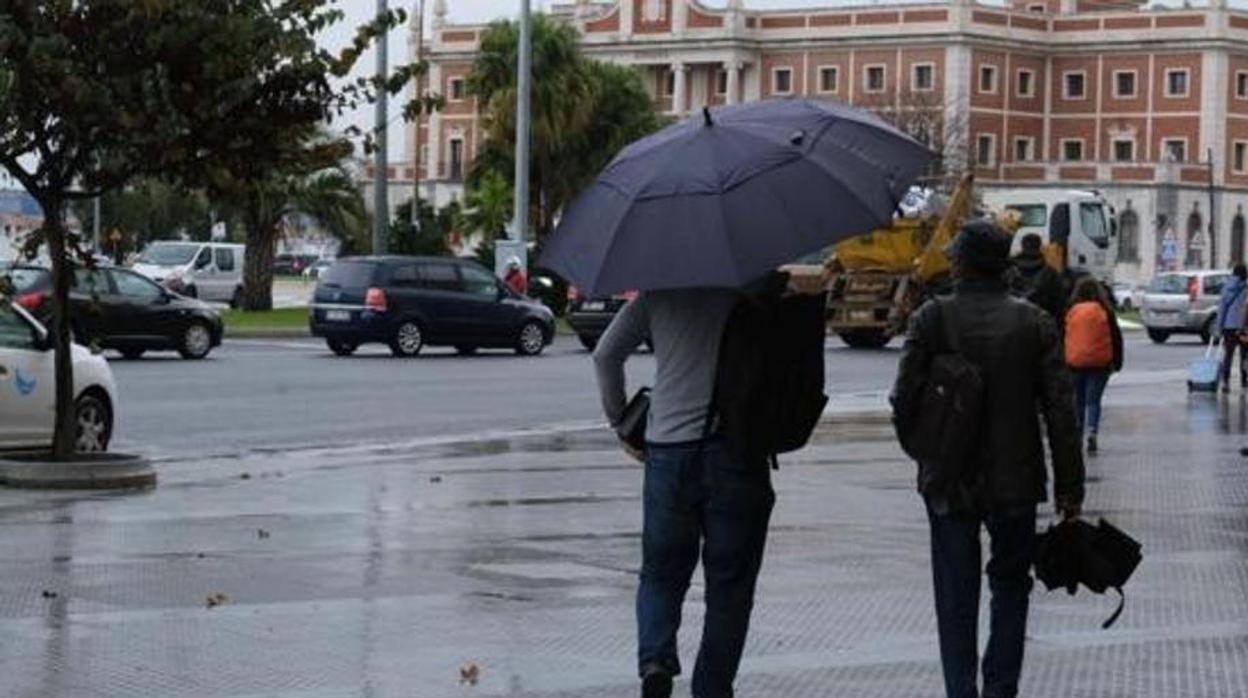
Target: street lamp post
<point>381,203</point>
<point>420,93</point>
<point>520,211</point>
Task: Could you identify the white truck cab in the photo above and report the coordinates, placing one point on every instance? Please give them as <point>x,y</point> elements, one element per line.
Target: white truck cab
<point>1082,221</point>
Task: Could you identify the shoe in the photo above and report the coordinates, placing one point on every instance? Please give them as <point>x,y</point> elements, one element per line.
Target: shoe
<point>656,682</point>
<point>1092,445</point>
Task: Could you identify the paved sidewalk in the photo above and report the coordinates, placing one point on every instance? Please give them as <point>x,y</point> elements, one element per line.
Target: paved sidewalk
<point>374,572</point>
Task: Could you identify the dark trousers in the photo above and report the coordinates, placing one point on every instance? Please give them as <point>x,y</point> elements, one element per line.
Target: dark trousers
<point>956,571</point>
<point>1089,389</point>
<point>1230,343</point>
<point>701,500</point>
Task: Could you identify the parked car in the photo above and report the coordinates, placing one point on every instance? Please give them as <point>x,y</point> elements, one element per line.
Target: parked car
<point>116,308</point>
<point>313,270</point>
<point>1127,296</point>
<point>589,317</point>
<point>210,271</point>
<point>28,387</point>
<point>1182,303</point>
<point>290,264</point>
<point>411,302</point>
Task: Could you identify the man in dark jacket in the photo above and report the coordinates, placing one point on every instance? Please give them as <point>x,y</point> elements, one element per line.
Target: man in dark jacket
<point>1038,282</point>
<point>1016,349</point>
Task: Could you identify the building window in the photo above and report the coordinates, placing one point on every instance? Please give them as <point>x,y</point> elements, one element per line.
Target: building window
<point>922,77</point>
<point>1124,84</point>
<point>1241,85</point>
<point>669,83</point>
<point>988,79</point>
<point>782,81</point>
<point>1237,237</point>
<point>1124,150</point>
<point>457,159</point>
<point>985,150</point>
<point>1037,9</point>
<point>829,79</point>
<point>1176,82</point>
<point>721,82</point>
<point>873,78</point>
<point>1024,149</point>
<point>457,89</point>
<point>1026,86</point>
<point>1074,85</point>
<point>1240,159</point>
<point>1195,246</point>
<point>1128,236</point>
<point>1072,149</point>
<point>1175,149</point>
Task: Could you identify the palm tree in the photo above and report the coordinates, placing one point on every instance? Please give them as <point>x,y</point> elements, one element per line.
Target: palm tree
<point>488,206</point>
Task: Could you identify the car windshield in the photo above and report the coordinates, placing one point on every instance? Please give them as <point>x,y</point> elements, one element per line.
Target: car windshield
<point>1094,223</point>
<point>167,254</point>
<point>349,274</point>
<point>1170,283</point>
<point>1031,215</point>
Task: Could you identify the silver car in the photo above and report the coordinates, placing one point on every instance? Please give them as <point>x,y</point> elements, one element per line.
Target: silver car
<point>1183,302</point>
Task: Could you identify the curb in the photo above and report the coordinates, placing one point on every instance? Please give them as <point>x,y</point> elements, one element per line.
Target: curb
<point>98,471</point>
<point>272,333</point>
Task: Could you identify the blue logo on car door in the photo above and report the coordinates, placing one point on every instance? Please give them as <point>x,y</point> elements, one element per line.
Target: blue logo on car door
<point>25,386</point>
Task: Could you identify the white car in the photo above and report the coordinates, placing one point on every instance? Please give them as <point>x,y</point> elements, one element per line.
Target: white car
<point>27,388</point>
<point>209,271</point>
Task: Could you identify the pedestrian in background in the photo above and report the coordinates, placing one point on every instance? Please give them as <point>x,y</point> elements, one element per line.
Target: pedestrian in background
<point>1230,324</point>
<point>515,278</point>
<point>1093,353</point>
<point>1015,349</point>
<point>1038,282</point>
<point>699,495</point>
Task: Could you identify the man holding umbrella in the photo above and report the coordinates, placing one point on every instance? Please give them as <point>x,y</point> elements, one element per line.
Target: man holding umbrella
<point>689,217</point>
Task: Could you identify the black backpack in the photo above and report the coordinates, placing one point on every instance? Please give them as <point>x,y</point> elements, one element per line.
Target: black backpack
<point>769,381</point>
<point>941,431</point>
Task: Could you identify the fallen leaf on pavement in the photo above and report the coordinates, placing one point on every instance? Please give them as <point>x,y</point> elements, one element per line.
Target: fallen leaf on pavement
<point>48,594</point>
<point>216,599</point>
<point>262,534</point>
<point>469,674</point>
<point>245,476</point>
<point>435,479</point>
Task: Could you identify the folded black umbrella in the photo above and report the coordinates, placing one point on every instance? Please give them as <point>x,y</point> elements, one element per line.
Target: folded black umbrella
<point>1100,557</point>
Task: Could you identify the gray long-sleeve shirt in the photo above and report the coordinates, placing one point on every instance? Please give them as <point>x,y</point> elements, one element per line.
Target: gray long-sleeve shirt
<point>685,327</point>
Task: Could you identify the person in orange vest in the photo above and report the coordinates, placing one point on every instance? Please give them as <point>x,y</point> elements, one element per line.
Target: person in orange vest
<point>1093,352</point>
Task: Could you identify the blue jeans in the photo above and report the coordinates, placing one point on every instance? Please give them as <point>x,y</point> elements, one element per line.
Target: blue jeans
<point>956,573</point>
<point>1089,388</point>
<point>701,499</point>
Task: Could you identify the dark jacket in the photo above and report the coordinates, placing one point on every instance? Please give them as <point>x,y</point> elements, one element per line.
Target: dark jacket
<point>1020,356</point>
<point>1040,283</point>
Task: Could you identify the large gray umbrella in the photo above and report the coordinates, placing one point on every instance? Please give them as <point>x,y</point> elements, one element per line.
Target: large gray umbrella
<point>721,199</point>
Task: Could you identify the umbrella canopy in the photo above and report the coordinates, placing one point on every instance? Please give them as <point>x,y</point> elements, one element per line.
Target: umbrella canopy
<point>1100,557</point>
<point>723,198</point>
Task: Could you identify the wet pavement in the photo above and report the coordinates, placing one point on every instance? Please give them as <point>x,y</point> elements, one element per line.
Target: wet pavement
<point>377,571</point>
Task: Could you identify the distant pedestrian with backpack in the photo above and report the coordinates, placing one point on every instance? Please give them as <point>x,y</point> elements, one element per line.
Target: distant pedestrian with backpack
<point>707,484</point>
<point>978,370</point>
<point>1093,353</point>
<point>1230,324</point>
<point>1038,282</point>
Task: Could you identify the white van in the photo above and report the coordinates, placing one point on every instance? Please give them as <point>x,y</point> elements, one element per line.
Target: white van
<point>211,271</point>
<point>1081,220</point>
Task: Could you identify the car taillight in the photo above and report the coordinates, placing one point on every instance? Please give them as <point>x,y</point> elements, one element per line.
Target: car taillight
<point>1193,289</point>
<point>375,300</point>
<point>30,301</point>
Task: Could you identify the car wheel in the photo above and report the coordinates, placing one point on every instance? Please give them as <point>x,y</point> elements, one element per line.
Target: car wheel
<point>408,340</point>
<point>340,347</point>
<point>1158,336</point>
<point>93,424</point>
<point>132,354</point>
<point>587,341</point>
<point>532,339</point>
<point>465,350</point>
<point>196,341</point>
<point>236,301</point>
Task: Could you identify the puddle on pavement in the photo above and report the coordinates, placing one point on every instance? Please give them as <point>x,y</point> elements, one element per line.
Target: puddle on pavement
<point>545,501</point>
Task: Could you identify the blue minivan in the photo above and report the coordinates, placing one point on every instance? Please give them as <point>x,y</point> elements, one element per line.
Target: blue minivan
<point>408,303</point>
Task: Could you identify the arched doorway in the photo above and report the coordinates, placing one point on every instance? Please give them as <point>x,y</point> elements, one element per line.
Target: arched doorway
<point>1128,236</point>
<point>1195,243</point>
<point>1237,237</point>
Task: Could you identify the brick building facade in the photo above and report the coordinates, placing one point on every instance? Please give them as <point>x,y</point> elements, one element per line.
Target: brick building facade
<point>1148,106</point>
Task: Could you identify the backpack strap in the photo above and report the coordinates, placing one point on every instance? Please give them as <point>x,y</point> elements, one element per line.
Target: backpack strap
<point>1122,602</point>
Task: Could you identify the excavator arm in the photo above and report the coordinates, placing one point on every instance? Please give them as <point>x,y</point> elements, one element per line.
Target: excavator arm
<point>932,262</point>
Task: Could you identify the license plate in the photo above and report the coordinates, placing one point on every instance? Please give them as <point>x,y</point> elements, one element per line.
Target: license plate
<point>338,315</point>
<point>594,306</point>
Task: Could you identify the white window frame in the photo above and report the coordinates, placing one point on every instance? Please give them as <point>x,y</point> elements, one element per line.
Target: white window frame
<point>1242,167</point>
<point>1083,75</point>
<point>914,74</point>
<point>1031,83</point>
<point>836,79</point>
<point>1175,139</point>
<point>775,75</point>
<point>1241,75</point>
<point>450,89</point>
<point>1083,149</point>
<point>996,79</point>
<point>1187,83</point>
<point>1135,83</point>
<point>1031,148</point>
<point>992,150</point>
<point>866,79</point>
<point>1113,149</point>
